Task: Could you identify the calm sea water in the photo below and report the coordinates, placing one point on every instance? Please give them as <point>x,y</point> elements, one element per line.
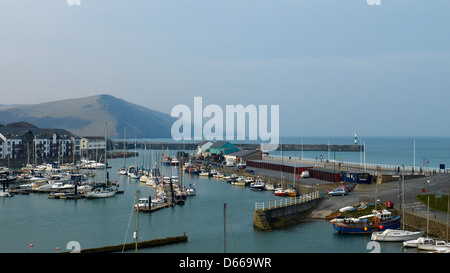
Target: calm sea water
<point>49,224</point>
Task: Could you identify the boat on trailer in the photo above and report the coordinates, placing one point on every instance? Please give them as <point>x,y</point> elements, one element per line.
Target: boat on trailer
<point>378,221</point>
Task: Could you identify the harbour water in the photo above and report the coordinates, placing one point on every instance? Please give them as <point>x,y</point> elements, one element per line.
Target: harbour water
<point>48,224</point>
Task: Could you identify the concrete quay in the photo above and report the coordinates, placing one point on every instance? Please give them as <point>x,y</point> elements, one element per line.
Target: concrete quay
<point>244,146</point>
<point>416,214</point>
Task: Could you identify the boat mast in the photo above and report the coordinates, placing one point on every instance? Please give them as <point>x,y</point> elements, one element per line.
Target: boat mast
<point>137,221</point>
<point>281,146</point>
<point>403,197</point>
<point>106,156</point>
<point>125,147</point>
<point>224,227</point>
<point>448,207</point>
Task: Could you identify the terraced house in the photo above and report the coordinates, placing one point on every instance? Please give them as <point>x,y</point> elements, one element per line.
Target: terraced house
<point>34,143</point>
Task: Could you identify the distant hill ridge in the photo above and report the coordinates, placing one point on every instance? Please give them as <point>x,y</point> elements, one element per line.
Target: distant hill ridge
<point>87,116</point>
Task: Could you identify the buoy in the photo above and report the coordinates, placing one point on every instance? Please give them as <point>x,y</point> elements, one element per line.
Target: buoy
<point>31,245</point>
<point>380,227</point>
<point>57,249</point>
<point>365,228</point>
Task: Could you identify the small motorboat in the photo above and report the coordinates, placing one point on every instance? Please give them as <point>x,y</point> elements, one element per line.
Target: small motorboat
<point>191,190</point>
<point>419,241</point>
<point>257,185</point>
<point>239,182</point>
<point>435,246</point>
<point>280,192</point>
<point>143,204</point>
<point>101,191</point>
<point>291,192</point>
<point>123,171</point>
<point>269,186</point>
<point>160,199</point>
<point>5,193</point>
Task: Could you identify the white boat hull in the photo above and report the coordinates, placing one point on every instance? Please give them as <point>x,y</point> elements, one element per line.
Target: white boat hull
<point>101,193</point>
<point>393,235</point>
<point>419,241</point>
<point>437,246</point>
<point>5,194</point>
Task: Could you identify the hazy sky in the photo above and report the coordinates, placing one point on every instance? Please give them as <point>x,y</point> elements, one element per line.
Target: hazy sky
<point>334,67</point>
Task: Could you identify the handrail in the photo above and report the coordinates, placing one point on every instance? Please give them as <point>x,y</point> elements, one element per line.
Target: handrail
<point>287,201</point>
<point>372,168</point>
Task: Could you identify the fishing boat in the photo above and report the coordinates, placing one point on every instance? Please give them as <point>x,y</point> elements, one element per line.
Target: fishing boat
<point>378,221</point>
<point>392,235</point>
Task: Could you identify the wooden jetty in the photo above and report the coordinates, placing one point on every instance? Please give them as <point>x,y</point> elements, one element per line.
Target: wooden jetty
<point>166,205</point>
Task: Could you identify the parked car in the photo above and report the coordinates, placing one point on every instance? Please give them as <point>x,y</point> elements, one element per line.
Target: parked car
<point>349,189</point>
<point>338,191</point>
<point>305,174</point>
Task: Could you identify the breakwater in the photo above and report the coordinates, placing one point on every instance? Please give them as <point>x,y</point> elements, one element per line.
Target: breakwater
<point>282,213</point>
<point>143,244</point>
<point>242,146</point>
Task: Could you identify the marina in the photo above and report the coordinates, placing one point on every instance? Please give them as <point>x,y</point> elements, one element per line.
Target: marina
<point>96,223</point>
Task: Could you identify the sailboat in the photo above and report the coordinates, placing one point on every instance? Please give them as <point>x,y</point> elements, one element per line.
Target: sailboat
<point>103,190</point>
<point>392,235</point>
<point>123,170</point>
<point>132,170</point>
<point>180,195</point>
